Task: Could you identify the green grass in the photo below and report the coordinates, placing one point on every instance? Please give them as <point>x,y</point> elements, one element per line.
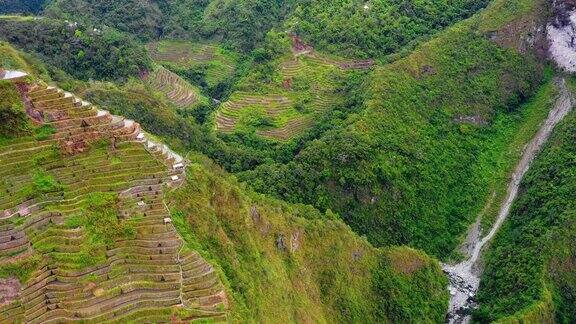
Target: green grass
<point>14,120</point>
<point>10,58</point>
<point>321,271</point>
<point>514,132</point>
<point>21,269</point>
<point>43,132</point>
<point>16,17</point>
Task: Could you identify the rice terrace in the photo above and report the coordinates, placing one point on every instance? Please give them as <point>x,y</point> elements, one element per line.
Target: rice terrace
<point>296,161</point>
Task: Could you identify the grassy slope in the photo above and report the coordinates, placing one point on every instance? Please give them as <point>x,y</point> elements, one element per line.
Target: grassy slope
<point>321,271</point>
<point>265,283</point>
<point>310,82</point>
<point>405,171</point>
<point>14,120</point>
<point>17,6</point>
<point>530,272</point>
<point>151,109</point>
<point>339,26</point>
<point>291,263</point>
<point>516,131</point>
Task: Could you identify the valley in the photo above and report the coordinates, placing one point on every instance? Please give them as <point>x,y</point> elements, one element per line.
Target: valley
<point>465,276</point>
<point>296,161</point>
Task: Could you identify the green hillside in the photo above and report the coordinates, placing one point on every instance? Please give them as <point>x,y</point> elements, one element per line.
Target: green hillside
<point>291,263</point>
<point>84,230</point>
<point>206,65</point>
<point>83,52</point>
<point>374,28</point>
<point>416,165</point>
<point>286,98</point>
<point>530,274</point>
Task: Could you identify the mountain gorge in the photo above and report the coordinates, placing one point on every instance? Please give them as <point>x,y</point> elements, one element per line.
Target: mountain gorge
<point>284,161</point>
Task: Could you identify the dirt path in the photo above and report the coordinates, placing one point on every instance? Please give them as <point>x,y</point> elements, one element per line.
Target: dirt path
<point>465,276</point>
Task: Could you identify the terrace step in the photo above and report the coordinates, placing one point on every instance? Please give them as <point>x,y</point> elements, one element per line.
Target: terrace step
<point>141,276</point>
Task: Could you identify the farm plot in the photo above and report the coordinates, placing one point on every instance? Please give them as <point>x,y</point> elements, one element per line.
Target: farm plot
<point>177,90</point>
<point>216,64</point>
<point>82,214</point>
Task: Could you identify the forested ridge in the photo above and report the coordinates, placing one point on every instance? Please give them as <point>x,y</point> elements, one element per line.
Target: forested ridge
<point>348,27</point>
<point>276,261</point>
<point>83,52</point>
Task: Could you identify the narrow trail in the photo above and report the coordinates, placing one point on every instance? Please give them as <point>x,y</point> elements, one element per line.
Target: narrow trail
<point>464,277</point>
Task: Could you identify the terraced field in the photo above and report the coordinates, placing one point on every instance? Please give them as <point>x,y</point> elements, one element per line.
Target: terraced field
<point>270,106</point>
<point>218,67</point>
<point>179,91</point>
<point>339,62</point>
<point>273,116</point>
<point>82,212</point>
<point>309,88</point>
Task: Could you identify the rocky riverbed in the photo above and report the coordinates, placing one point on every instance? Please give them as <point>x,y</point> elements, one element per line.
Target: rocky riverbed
<point>464,277</point>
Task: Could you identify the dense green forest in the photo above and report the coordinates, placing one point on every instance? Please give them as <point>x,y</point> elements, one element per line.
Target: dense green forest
<point>143,18</point>
<point>84,53</point>
<point>346,221</point>
<point>19,6</point>
<point>353,28</point>
<point>291,263</point>
<point>374,28</point>
<point>530,270</point>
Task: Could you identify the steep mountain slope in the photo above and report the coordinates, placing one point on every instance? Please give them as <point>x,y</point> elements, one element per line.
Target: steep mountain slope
<point>82,52</point>
<point>86,233</point>
<point>286,101</point>
<point>242,24</point>
<point>205,64</point>
<point>411,168</point>
<point>374,29</point>
<point>350,27</point>
<point>530,273</point>
<point>290,263</point>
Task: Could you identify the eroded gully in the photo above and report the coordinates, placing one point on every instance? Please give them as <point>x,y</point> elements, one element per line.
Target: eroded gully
<point>464,277</point>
